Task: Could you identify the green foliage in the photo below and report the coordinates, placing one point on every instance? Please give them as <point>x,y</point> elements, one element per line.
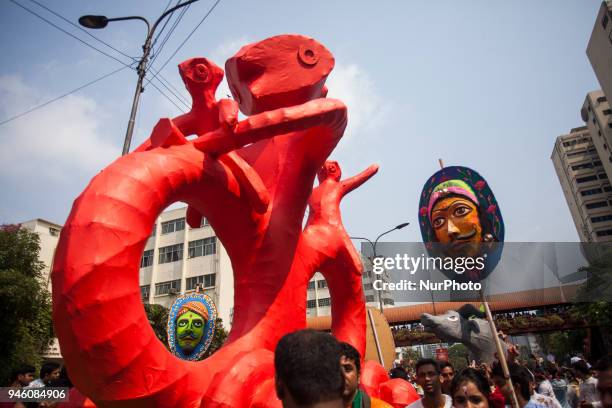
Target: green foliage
<point>158,319</point>
<point>218,339</point>
<point>561,344</point>
<point>25,304</point>
<point>410,357</point>
<point>458,356</point>
<point>595,294</point>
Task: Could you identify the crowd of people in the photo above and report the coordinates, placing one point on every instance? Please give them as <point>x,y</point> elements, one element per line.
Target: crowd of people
<point>315,370</point>
<point>304,381</point>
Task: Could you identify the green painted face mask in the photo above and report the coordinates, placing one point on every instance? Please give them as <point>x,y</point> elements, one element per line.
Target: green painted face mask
<point>189,331</point>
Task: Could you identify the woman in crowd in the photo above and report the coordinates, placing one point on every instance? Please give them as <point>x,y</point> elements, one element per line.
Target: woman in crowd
<point>471,389</point>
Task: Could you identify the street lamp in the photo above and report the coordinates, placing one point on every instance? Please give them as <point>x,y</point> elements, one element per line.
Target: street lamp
<point>374,255</point>
<point>97,22</point>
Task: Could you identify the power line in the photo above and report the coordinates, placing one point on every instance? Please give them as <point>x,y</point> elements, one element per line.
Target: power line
<point>165,22</point>
<point>188,36</point>
<point>176,92</point>
<point>175,95</point>
<point>162,92</point>
<point>83,30</point>
<point>62,96</point>
<point>165,40</point>
<point>68,33</point>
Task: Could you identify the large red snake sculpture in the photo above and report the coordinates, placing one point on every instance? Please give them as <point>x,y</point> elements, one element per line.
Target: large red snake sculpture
<point>252,179</point>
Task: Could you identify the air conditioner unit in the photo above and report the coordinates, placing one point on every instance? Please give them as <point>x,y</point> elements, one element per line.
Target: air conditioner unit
<point>173,291</point>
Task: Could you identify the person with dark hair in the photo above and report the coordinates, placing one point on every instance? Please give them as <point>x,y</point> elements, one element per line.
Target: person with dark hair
<point>589,395</point>
<point>559,385</point>
<point>524,385</point>
<point>398,372</point>
<point>49,371</point>
<point>353,396</point>
<point>308,374</point>
<point>22,376</point>
<point>428,377</point>
<point>447,373</point>
<point>470,389</point>
<point>604,381</point>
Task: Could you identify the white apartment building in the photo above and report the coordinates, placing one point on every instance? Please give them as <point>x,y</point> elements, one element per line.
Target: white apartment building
<point>585,184</point>
<point>318,300</point>
<point>599,49</point>
<point>177,259</point>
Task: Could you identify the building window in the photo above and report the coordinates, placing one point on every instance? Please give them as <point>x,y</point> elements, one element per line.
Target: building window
<point>607,112</point>
<point>607,189</point>
<point>598,204</point>
<point>311,285</point>
<point>204,222</point>
<point>144,292</point>
<point>592,191</point>
<point>583,166</point>
<point>311,304</point>
<point>604,21</point>
<point>387,301</point>
<point>322,284</point>
<point>170,253</point>
<point>54,232</point>
<point>154,230</point>
<point>147,258</point>
<point>168,288</point>
<point>324,302</point>
<point>370,298</point>
<point>597,163</point>
<point>173,226</point>
<point>601,99</point>
<point>586,179</point>
<point>205,281</point>
<point>572,154</point>
<point>604,233</point>
<point>202,247</point>
<point>601,218</point>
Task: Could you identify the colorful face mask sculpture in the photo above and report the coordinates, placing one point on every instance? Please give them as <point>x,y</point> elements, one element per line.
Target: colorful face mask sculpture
<point>191,325</point>
<point>458,211</point>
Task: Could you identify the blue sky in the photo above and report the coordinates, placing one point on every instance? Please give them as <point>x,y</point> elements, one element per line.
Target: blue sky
<point>484,84</point>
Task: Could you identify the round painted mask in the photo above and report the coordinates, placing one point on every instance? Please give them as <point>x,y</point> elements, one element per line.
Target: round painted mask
<point>459,217</point>
<point>191,325</point>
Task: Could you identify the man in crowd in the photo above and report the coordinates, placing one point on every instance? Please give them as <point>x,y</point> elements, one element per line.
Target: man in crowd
<point>428,377</point>
<point>308,373</point>
<point>589,396</point>
<point>22,376</point>
<point>524,386</point>
<point>353,396</point>
<point>447,373</point>
<point>48,372</point>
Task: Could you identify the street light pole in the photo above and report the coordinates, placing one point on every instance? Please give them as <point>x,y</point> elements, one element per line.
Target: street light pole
<point>374,255</point>
<point>97,22</point>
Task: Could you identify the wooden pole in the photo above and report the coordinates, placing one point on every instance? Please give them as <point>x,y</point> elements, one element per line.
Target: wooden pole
<point>500,351</point>
<point>376,342</point>
<point>441,163</point>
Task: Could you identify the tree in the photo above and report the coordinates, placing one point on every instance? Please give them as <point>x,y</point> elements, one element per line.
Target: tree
<point>218,338</point>
<point>158,319</point>
<point>458,356</point>
<point>25,304</point>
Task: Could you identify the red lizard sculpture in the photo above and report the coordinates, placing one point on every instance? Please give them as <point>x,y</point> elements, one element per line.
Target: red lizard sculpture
<point>255,201</point>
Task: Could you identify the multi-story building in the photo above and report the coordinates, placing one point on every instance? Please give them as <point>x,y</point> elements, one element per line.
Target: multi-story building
<point>178,259</point>
<point>585,184</point>
<point>48,232</point>
<point>599,49</point>
<point>318,301</point>
<point>597,115</point>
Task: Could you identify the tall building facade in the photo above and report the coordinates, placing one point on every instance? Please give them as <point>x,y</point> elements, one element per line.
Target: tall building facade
<point>178,259</point>
<point>599,49</point>
<point>585,184</point>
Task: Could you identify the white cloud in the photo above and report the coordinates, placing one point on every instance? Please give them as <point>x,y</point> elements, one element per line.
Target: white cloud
<point>366,110</point>
<point>57,143</point>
